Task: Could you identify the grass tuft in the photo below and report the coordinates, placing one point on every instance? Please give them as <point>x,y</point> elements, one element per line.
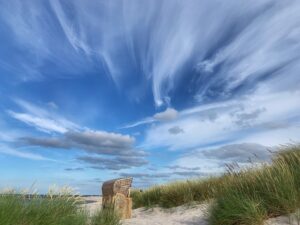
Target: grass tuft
<point>178,193</point>
<point>275,187</point>
<point>237,211</point>
<point>58,207</point>
<point>106,216</point>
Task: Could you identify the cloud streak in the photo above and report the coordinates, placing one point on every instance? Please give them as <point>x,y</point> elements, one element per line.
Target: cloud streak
<point>22,154</point>
<point>242,43</point>
<point>167,115</point>
<point>268,119</point>
<point>118,149</point>
<point>214,161</point>
<point>98,142</point>
<point>41,119</point>
<point>116,163</point>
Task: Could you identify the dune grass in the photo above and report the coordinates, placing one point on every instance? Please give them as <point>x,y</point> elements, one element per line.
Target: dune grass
<point>57,208</point>
<point>268,191</point>
<point>179,193</point>
<point>106,216</point>
<point>246,197</point>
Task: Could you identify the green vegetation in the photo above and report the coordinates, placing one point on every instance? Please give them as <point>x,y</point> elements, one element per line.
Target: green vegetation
<point>246,197</point>
<point>179,193</point>
<point>257,194</point>
<point>106,216</point>
<point>57,208</point>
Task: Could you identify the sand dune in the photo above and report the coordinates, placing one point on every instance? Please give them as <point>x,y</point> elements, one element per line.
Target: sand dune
<point>182,215</point>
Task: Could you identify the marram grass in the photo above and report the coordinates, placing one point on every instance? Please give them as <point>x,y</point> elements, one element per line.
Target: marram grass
<point>58,207</point>
<point>179,193</point>
<point>273,189</point>
<point>246,197</point>
<point>106,216</point>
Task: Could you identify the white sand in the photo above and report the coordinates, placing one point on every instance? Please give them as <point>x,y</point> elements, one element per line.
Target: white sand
<point>92,204</point>
<point>185,215</point>
<point>285,220</point>
<point>189,216</point>
<point>192,215</point>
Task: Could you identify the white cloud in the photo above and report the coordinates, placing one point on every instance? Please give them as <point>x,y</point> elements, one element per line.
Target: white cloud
<point>138,123</point>
<point>41,119</point>
<point>275,137</point>
<point>196,132</point>
<point>168,114</point>
<point>52,105</point>
<point>21,154</point>
<point>213,161</point>
<point>161,37</point>
<point>118,149</point>
<point>99,142</point>
<point>274,120</point>
<point>102,142</point>
<point>69,30</point>
<point>266,46</point>
<point>69,135</point>
<point>42,124</point>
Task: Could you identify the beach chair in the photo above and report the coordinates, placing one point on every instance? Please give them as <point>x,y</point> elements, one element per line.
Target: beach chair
<point>116,194</point>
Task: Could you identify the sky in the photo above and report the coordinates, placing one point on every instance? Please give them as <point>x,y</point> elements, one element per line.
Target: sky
<point>156,90</point>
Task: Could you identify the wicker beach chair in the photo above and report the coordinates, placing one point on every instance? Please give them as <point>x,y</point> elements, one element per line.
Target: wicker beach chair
<point>116,193</point>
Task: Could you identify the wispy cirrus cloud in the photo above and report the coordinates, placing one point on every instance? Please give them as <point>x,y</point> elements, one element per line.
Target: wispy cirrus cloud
<point>274,116</point>
<point>41,119</point>
<point>167,115</point>
<point>43,124</point>
<point>119,149</point>
<point>242,44</point>
<point>6,150</point>
<point>214,161</point>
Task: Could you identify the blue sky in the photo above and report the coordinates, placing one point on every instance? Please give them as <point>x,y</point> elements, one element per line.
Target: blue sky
<point>157,90</point>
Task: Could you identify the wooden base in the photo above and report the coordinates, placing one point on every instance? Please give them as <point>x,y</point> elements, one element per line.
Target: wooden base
<point>121,204</point>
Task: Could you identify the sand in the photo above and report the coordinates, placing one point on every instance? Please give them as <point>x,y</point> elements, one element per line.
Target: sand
<point>92,203</point>
<point>185,215</point>
<point>285,220</point>
<point>192,215</point>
